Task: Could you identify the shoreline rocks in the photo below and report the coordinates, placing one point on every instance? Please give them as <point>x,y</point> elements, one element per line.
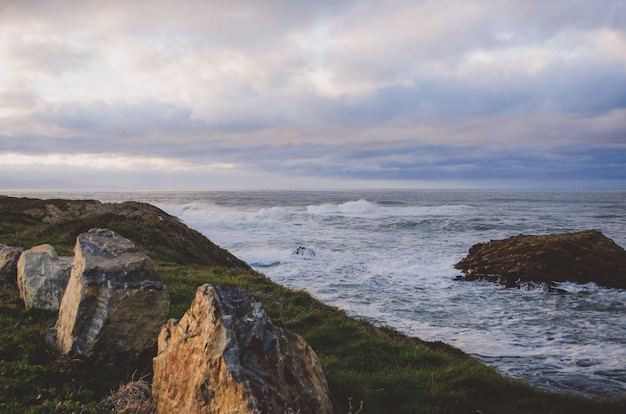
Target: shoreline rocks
<point>581,257</point>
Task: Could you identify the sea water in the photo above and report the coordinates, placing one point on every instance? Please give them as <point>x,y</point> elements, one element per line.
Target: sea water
<point>388,256</point>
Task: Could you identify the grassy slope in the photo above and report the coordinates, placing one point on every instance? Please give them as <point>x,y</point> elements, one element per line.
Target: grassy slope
<point>389,372</point>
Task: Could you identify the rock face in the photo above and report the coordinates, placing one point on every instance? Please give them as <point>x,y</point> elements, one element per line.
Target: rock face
<point>225,356</point>
<point>114,304</point>
<point>583,257</point>
<point>42,277</point>
<point>8,262</point>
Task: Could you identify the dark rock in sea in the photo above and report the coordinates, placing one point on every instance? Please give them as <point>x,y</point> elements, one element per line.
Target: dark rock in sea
<point>304,252</point>
<point>226,356</point>
<point>582,257</point>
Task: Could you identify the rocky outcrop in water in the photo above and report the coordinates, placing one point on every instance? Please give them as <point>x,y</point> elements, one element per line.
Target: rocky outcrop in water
<point>582,257</point>
<point>9,256</point>
<point>304,252</point>
<point>42,277</point>
<point>225,356</point>
<point>114,304</point>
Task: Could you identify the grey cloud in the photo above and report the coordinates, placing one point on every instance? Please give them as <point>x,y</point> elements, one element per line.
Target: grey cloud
<point>47,55</point>
<point>389,42</point>
<point>456,25</point>
<point>207,23</point>
<point>585,89</point>
<point>562,89</point>
<point>458,163</point>
<point>20,95</point>
<point>121,119</point>
<point>147,128</point>
<point>547,17</point>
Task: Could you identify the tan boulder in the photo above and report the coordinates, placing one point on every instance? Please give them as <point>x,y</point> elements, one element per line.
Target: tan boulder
<point>42,277</point>
<point>115,302</point>
<point>226,356</point>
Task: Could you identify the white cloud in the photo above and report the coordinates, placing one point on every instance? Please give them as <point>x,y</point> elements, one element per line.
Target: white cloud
<point>102,162</point>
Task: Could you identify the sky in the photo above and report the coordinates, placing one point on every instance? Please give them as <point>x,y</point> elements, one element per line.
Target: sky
<point>205,95</point>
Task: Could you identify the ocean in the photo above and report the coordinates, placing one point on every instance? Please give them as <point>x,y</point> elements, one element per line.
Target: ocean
<point>387,256</point>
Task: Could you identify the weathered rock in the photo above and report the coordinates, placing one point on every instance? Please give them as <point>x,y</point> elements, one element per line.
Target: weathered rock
<point>42,277</point>
<point>225,356</point>
<point>9,256</point>
<point>115,302</point>
<point>583,257</point>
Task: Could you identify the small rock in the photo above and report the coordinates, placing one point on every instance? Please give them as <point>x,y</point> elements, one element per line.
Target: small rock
<point>42,277</point>
<point>9,256</point>
<point>304,252</point>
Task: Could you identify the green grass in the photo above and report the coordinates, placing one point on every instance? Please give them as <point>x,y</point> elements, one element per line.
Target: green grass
<point>386,370</point>
<point>34,378</point>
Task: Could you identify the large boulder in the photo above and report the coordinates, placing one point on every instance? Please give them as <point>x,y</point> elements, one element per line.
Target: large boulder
<point>115,302</point>
<point>9,256</point>
<point>225,356</point>
<point>582,257</point>
<point>42,277</point>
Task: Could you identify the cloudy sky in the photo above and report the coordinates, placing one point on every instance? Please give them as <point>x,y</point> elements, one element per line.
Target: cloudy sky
<point>299,94</point>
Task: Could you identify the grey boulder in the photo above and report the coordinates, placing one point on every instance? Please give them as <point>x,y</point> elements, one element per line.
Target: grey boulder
<point>42,277</point>
<point>115,302</point>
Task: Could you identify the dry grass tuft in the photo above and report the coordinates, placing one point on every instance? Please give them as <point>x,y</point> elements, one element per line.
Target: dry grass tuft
<point>132,398</point>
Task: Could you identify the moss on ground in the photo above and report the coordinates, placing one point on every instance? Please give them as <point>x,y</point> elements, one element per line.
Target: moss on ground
<point>386,370</point>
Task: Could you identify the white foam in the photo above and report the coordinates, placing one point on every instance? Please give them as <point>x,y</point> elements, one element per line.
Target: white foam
<point>367,208</point>
<point>274,213</point>
<point>349,207</point>
<point>571,287</point>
